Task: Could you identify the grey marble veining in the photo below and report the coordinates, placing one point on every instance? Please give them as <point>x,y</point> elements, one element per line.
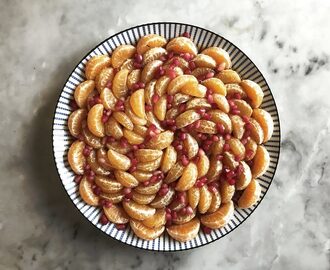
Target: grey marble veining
<point>41,42</point>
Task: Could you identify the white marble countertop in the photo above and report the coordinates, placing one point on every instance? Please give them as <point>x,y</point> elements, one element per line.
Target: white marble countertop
<point>41,42</point>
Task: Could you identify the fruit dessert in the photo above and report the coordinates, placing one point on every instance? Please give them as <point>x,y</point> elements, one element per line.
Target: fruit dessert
<point>167,138</point>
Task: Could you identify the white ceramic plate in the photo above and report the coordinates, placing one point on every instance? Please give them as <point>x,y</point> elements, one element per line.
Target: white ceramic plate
<point>62,139</point>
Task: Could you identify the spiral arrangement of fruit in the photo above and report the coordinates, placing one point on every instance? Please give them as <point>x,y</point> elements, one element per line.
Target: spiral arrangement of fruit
<point>168,138</point>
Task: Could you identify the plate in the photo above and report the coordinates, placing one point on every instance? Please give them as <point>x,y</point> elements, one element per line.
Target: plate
<point>62,139</point>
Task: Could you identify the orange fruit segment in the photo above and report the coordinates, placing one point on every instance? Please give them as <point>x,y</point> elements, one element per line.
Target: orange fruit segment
<point>149,92</point>
<point>75,121</point>
<point>243,107</point>
<point>188,178</point>
<point>137,103</point>
<point>197,103</point>
<point>121,54</point>
<point>253,91</point>
<point>237,147</point>
<point>113,128</point>
<point>83,90</point>
<point>116,214</point>
<point>182,219</point>
<point>157,220</point>
<point>94,120</point>
<point>126,179</point>
<point>149,70</point>
<point>193,197</point>
<point>182,45</point>
<point>169,159</point>
<point>203,60</point>
<point>237,126</point>
<point>95,65</point>
<point>119,84</point>
<point>142,198</point>
<point>145,232</point>
<point>207,127</point>
<point>162,201</point>
<point>265,120</point>
<point>138,211</point>
<point>142,176</point>
<point>219,55</point>
<point>151,189</point>
<point>216,202</point>
<point>95,166</point>
<point>250,195</point>
<point>191,146</point>
<point>220,217</point>
<point>86,192</point>
<point>108,99</point>
<point>133,77</point>
<point>107,184</point>
<point>161,85</point>
<point>102,159</point>
<point>184,232</point>
<point>132,137</point>
<point>90,138</point>
<point>216,85</point>
<point>186,118</point>
<point>161,141</point>
<point>226,191</point>
<point>104,78</point>
<point>234,88</point>
<point>257,134</point>
<point>76,158</point>
<point>113,197</point>
<point>123,119</point>
<point>244,177</point>
<point>149,166</point>
<point>204,200</point>
<point>203,165</point>
<point>146,155</point>
<point>160,108</point>
<point>218,116</point>
<point>118,161</point>
<point>147,42</point>
<point>221,102</point>
<point>215,169</point>
<point>134,118</point>
<point>174,173</point>
<point>153,54</point>
<point>260,162</point>
<point>177,83</point>
<point>228,76</point>
<point>196,90</point>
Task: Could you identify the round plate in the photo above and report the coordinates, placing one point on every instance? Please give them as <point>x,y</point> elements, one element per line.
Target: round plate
<point>62,139</point>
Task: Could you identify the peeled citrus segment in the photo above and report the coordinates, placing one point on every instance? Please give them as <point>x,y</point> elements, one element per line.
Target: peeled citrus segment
<point>121,54</point>
<point>186,118</point>
<point>162,201</point>
<point>104,78</point>
<point>169,159</point>
<point>193,197</point>
<point>237,126</point>
<point>113,128</point>
<point>82,92</point>
<point>133,77</point>
<point>172,113</point>
<point>102,159</point>
<point>113,197</point>
<point>180,98</point>
<point>184,232</point>
<point>161,85</point>
<point>182,219</point>
<point>176,61</point>
<point>174,173</point>
<point>266,122</point>
<point>90,138</point>
<point>95,65</point>
<point>228,76</point>
<point>123,119</point>
<point>244,177</point>
<point>188,178</point>
<point>94,120</point>
<point>149,70</point>
<point>132,137</point>
<point>204,200</point>
<point>145,232</point>
<point>201,72</point>
<point>221,102</point>
<point>126,179</point>
<point>147,42</point>
<point>250,149</point>
<point>191,146</point>
<point>157,220</point>
<point>254,92</point>
<point>128,65</point>
<point>118,147</point>
<point>95,166</point>
<point>142,198</point>
<point>260,162</point>
<point>196,103</point>
<point>257,133</point>
<point>215,85</point>
<point>216,202</point>
<point>142,176</point>
<point>146,155</point>
<point>203,165</point>
<point>134,118</point>
<point>149,166</point>
<point>118,161</point>
<point>219,55</point>
<point>217,147</point>
<point>229,160</point>
<point>178,204</point>
<point>137,103</point>
<point>141,130</point>
<point>108,99</point>
<point>86,192</point>
<point>243,107</point>
<point>220,217</point>
<point>161,141</point>
<point>226,191</point>
<point>234,88</point>
<point>76,158</point>
<point>107,184</point>
<point>250,195</point>
<point>218,116</point>
<point>177,83</point>
<point>119,84</point>
<point>116,214</point>
<point>214,170</point>
<point>237,148</point>
<point>138,211</point>
<point>160,108</point>
<point>149,92</point>
<point>196,90</point>
<point>206,126</point>
<point>75,121</point>
<point>150,189</point>
<point>153,54</point>
<point>203,60</point>
<point>182,45</point>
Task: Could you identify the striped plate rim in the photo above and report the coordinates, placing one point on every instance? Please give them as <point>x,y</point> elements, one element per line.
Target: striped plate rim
<point>61,137</point>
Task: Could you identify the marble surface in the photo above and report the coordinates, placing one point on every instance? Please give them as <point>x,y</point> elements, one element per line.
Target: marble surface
<point>41,42</point>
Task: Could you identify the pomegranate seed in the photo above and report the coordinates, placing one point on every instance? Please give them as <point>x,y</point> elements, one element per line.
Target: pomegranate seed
<point>219,157</point>
<point>244,141</point>
<point>187,56</point>
<point>174,215</point>
<point>121,227</point>
<point>199,184</point>
<point>237,96</point>
<point>187,71</point>
<point>132,168</point>
<point>146,183</point>
<point>240,169</point>
<point>170,55</point>
<point>110,139</point>
<point>246,134</point>
<point>129,195</point>
<point>197,124</point>
<point>153,179</point>
<point>207,230</point>
<point>208,142</point>
<point>169,98</point>
<point>169,106</point>
<point>179,147</point>
<point>97,100</point>
<point>123,142</point>
<point>78,179</point>
<point>231,181</point>
<point>182,107</point>
<point>135,86</point>
<point>107,204</point>
<point>248,126</point>
<point>175,62</point>
<point>141,85</point>
<point>209,75</point>
<point>201,111</point>
<point>134,161</point>
<point>192,65</point>
<point>172,185</point>
<point>200,152</point>
<point>135,147</point>
<point>184,160</point>
<point>168,210</point>
<point>86,151</point>
<point>215,138</point>
<point>109,84</point>
<point>103,219</point>
<point>230,174</point>
<point>235,112</point>
<point>183,136</point>
<point>246,119</point>
<point>227,137</point>
<point>162,58</point>
<point>226,147</point>
<point>87,167</point>
<point>97,190</point>
<point>148,108</point>
<point>171,73</point>
<point>73,104</point>
<point>183,211</point>
<point>173,128</point>
<point>209,91</point>
<point>207,116</point>
<point>127,190</point>
<point>104,118</point>
<point>142,146</point>
<point>221,67</point>
<point>220,128</point>
<point>186,34</point>
<point>212,188</point>
<point>238,158</point>
<point>137,65</point>
<point>168,216</point>
<point>108,112</point>
<point>189,210</point>
<point>249,153</point>
<point>163,192</point>
<point>155,98</point>
<point>138,58</point>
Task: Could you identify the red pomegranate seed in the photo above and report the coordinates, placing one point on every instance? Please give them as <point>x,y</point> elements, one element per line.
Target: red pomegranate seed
<point>133,168</point>
<point>200,152</point>
<point>189,210</point>
<point>141,85</point>
<point>129,195</point>
<point>219,157</point>
<point>197,124</point>
<point>240,169</point>
<point>212,188</point>
<point>175,62</point>
<point>246,119</point>
<point>179,147</point>
<point>235,112</point>
<point>73,104</point>
<point>221,67</point>
<point>204,137</point>
<point>169,98</point>
<point>109,84</point>
<point>209,75</point>
<point>168,210</point>
<point>135,86</point>
<point>170,55</point>
<point>97,190</point>
<point>183,211</point>
<point>210,99</point>
<point>137,65</point>
<point>120,227</point>
<point>168,216</point>
<point>231,181</point>
<point>103,219</point>
<point>207,116</point>
<point>206,230</point>
<point>246,134</point>
<point>138,58</point>
<point>155,98</point>
<point>249,153</point>
<point>186,34</point>
<point>220,128</point>
<point>183,136</point>
<point>184,160</point>
<point>107,204</point>
<point>123,142</point>
<point>187,71</point>
<point>148,108</point>
<point>182,107</point>
<point>153,179</point>
<point>227,137</point>
<point>215,138</point>
<point>226,147</point>
<point>231,104</point>
<point>171,73</point>
<point>146,183</point>
<point>162,58</point>
<point>237,96</point>
<point>97,100</point>
<point>244,141</point>
<point>187,56</point>
<point>238,158</point>
<point>192,65</point>
<point>248,125</point>
<point>198,184</point>
<point>135,147</point>
<point>78,179</point>
<point>174,215</point>
<point>230,174</point>
<point>86,151</point>
<point>162,192</point>
<point>208,142</point>
<point>104,118</point>
<point>201,111</point>
<point>127,190</point>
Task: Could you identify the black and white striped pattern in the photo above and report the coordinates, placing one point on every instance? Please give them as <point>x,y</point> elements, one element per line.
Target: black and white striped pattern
<point>61,138</point>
